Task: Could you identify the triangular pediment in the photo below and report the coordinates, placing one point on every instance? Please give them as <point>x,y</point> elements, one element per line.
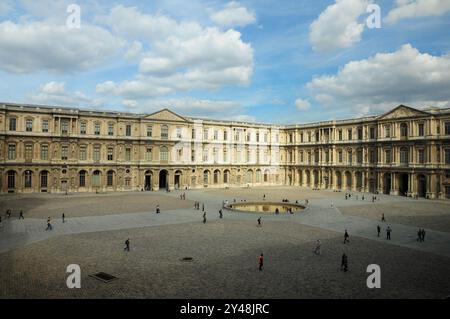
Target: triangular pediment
<point>165,115</point>
<point>402,111</point>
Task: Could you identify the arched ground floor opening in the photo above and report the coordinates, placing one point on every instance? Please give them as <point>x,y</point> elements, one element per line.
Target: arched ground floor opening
<point>163,180</point>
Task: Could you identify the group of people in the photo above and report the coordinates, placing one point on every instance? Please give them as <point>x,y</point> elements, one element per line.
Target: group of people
<point>183,196</point>
<point>9,213</point>
<point>421,235</point>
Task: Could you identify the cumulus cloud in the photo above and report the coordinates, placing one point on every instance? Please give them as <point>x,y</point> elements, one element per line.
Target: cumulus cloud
<point>337,26</point>
<point>41,46</point>
<point>187,58</point>
<point>405,76</point>
<point>302,105</point>
<point>55,93</point>
<point>417,8</point>
<point>233,15</point>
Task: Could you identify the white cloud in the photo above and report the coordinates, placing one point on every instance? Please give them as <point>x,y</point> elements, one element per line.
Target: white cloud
<point>233,15</point>
<point>302,105</point>
<point>134,51</point>
<point>230,110</point>
<point>405,76</point>
<point>417,8</point>
<point>337,27</point>
<point>195,58</point>
<point>55,93</point>
<point>40,46</point>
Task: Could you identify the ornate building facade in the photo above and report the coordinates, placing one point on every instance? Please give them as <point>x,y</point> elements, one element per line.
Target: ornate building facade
<point>51,149</point>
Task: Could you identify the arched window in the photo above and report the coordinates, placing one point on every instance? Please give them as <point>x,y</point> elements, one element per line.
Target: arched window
<point>216,176</point>
<point>28,179</point>
<point>44,179</point>
<point>96,179</point>
<point>163,154</point>
<point>403,130</point>
<point>249,176</point>
<point>110,178</point>
<point>266,175</point>
<point>164,132</point>
<point>11,179</point>
<point>206,177</point>
<point>82,179</point>
<point>258,176</point>
<point>226,176</point>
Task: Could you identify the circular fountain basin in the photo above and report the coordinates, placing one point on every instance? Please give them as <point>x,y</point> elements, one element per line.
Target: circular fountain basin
<point>265,207</point>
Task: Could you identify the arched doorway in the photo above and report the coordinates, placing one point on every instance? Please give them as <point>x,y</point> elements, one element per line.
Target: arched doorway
<point>316,178</point>
<point>226,176</point>
<point>403,184</point>
<point>348,180</point>
<point>338,180</point>
<point>177,180</point>
<point>359,185</point>
<point>421,185</point>
<point>163,179</point>
<point>148,180</point>
<point>387,183</point>
<point>308,178</point>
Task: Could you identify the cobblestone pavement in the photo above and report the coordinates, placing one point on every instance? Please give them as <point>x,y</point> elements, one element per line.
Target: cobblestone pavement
<point>33,261</point>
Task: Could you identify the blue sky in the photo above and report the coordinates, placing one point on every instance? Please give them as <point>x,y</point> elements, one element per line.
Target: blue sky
<point>266,61</point>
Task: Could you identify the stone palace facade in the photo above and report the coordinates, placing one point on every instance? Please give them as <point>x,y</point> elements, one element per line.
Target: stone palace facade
<point>52,149</point>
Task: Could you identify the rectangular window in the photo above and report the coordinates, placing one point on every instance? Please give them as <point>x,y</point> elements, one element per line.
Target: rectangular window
<point>301,137</point>
<point>266,136</point>
<point>447,128</point>
<point>149,131</point>
<point>193,134</point>
<point>110,129</point>
<point>29,125</point>
<point>205,155</point>
<point>44,152</point>
<point>128,130</point>
<point>421,129</point>
<point>387,131</point>
<point>387,154</point>
<point>96,156</point>
<point>110,155</point>
<point>216,135</point>
<point>164,132</point>
<point>421,156</point>
<point>97,129</point>
<point>340,156</point>
<point>360,133</point>
<point>372,133</point>
<point>447,156</point>
<point>12,124</point>
<point>179,132</point>
<point>64,127</point>
<point>148,155</point>
<point>340,135</point>
<point>349,134</point>
<point>83,128</point>
<point>225,155</point>
<point>257,137</point>
<point>83,153</point>
<point>28,152</point>
<point>128,154</point>
<point>45,126</point>
<point>205,134</point>
<point>225,135</point>
<point>248,137</point>
<point>64,152</point>
<point>11,151</point>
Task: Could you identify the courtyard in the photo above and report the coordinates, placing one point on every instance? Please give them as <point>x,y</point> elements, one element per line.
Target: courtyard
<point>224,251</point>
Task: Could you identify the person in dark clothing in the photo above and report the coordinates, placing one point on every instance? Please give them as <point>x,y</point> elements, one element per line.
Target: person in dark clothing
<point>344,263</point>
<point>8,213</point>
<point>378,230</point>
<point>346,236</point>
<point>220,213</point>
<point>157,209</point>
<point>21,215</point>
<point>259,221</point>
<point>419,235</point>
<point>423,234</point>
<point>63,218</point>
<point>388,233</point>
<point>49,224</point>
<point>127,245</point>
<point>261,262</point>
<point>204,218</point>
<point>383,219</point>
<point>203,207</point>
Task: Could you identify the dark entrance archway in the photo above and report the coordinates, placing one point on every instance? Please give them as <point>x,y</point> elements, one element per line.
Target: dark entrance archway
<point>148,181</point>
<point>403,184</point>
<point>387,183</point>
<point>421,186</point>
<point>163,180</point>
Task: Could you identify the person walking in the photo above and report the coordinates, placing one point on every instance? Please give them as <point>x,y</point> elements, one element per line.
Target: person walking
<point>127,245</point>
<point>423,234</point>
<point>419,235</point>
<point>264,197</point>
<point>259,221</point>
<point>318,247</point>
<point>383,219</point>
<point>388,233</point>
<point>157,209</point>
<point>203,207</point>
<point>63,218</point>
<point>49,224</point>
<point>220,213</point>
<point>346,236</point>
<point>344,263</point>
<point>204,218</point>
<point>261,262</point>
<point>21,215</point>
<point>8,213</point>
<point>378,230</point>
